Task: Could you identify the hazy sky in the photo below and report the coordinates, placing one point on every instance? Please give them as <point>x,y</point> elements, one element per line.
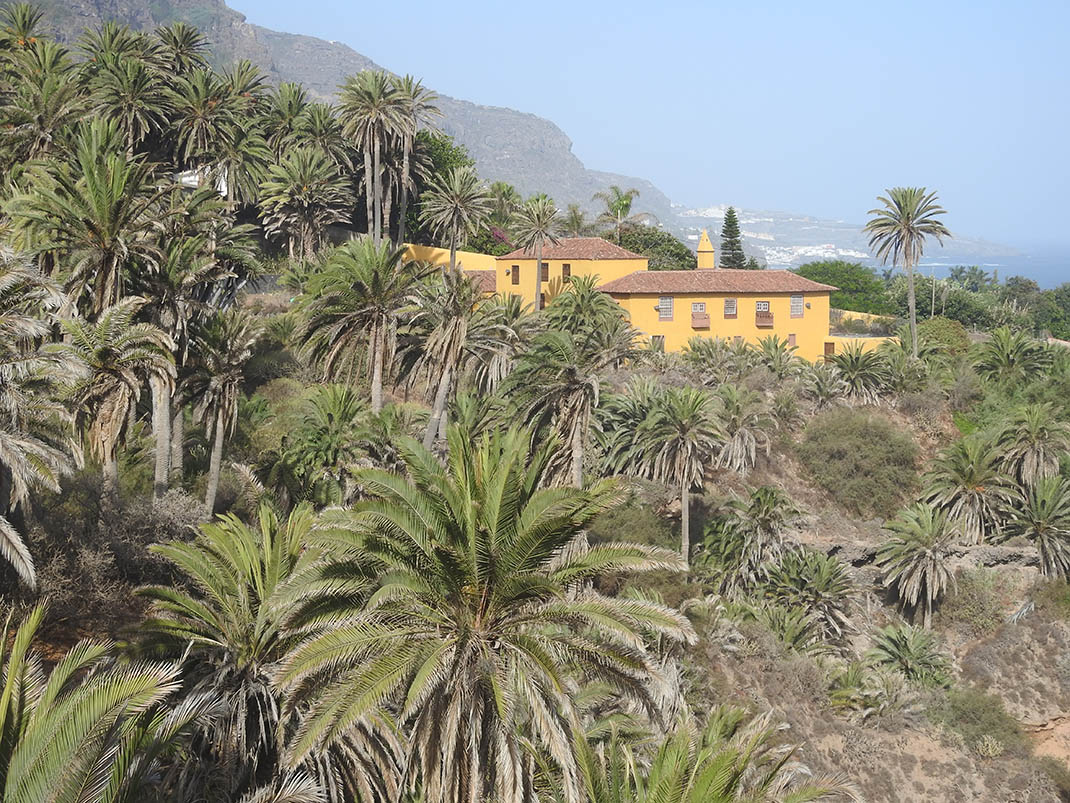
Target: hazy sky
<point>802,107</point>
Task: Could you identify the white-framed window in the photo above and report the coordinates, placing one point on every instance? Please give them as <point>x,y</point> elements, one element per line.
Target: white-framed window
<point>730,308</point>
<point>665,308</point>
<point>796,306</point>
<point>657,342</point>
<point>698,307</point>
<point>761,306</point>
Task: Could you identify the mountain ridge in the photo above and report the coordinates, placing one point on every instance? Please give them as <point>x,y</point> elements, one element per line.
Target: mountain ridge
<point>526,150</point>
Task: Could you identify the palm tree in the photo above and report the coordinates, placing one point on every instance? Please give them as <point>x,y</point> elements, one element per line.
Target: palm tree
<point>745,424</point>
<point>101,217</point>
<point>185,49</point>
<point>116,356</point>
<point>223,347</point>
<point>816,583</point>
<point>916,560</point>
<point>1040,512</point>
<point>778,356</point>
<point>373,111</point>
<point>231,625</point>
<point>419,110</point>
<point>206,116</point>
<point>301,196</point>
<point>320,127</point>
<point>505,201</point>
<point>1010,358</point>
<point>864,373</point>
<point>967,482</point>
<point>536,225</point>
<point>327,443</point>
<point>43,105</point>
<point>284,116</point>
<point>515,327</point>
<point>446,334</point>
<point>244,159</point>
<point>36,444</point>
<point>557,384</point>
<point>355,299</point>
<point>583,310</point>
<point>675,444</point>
<point>574,222</point>
<point>897,231</point>
<point>482,616</point>
<point>1032,442</point>
<point>618,212</point>
<point>747,541</point>
<point>455,207</point>
<point>912,651</point>
<point>734,758</point>
<point>88,729</point>
<point>825,385</point>
<point>135,97</point>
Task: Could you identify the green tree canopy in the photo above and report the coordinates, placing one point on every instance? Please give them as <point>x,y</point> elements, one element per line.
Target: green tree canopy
<point>860,288</point>
<point>664,251</point>
<point>732,255</point>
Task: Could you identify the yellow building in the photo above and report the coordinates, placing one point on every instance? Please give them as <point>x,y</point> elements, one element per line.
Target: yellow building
<point>672,306</point>
<point>569,257</point>
<point>469,260</point>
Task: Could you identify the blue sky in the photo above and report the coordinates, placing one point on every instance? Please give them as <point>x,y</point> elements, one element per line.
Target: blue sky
<point>802,107</point>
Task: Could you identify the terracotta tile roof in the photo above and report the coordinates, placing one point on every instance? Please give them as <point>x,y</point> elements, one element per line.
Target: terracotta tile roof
<point>721,280</point>
<point>485,280</point>
<point>577,248</point>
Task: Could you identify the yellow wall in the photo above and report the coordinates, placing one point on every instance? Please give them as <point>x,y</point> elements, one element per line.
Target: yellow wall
<point>605,269</point>
<point>811,330</point>
<point>868,343</point>
<point>468,260</point>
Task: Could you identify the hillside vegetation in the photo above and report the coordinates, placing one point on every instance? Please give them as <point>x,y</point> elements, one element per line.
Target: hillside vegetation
<point>287,517</point>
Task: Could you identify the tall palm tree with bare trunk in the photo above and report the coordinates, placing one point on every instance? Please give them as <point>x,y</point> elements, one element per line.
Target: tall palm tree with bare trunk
<point>116,356</point>
<point>679,439</point>
<point>419,109</point>
<point>36,428</point>
<point>536,225</point>
<point>898,230</point>
<point>352,306</point>
<point>373,111</point>
<point>618,211</point>
<point>223,347</point>
<point>456,207</point>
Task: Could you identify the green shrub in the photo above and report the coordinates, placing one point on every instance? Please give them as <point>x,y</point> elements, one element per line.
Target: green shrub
<point>634,522</point>
<point>912,651</point>
<point>1058,773</point>
<point>977,603</point>
<point>861,459</point>
<point>982,722</point>
<point>946,334</point>
<point>1053,600</point>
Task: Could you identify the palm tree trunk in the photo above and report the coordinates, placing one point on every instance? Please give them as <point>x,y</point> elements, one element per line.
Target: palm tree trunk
<point>927,621</point>
<point>368,188</point>
<point>932,277</point>
<point>214,465</point>
<point>453,250</point>
<point>437,407</point>
<point>377,369</point>
<point>388,204</point>
<point>178,439</point>
<point>685,520</point>
<point>161,426</point>
<point>577,458</point>
<point>111,475</point>
<point>403,190</point>
<point>538,275</point>
<point>912,305</point>
<point>378,195</point>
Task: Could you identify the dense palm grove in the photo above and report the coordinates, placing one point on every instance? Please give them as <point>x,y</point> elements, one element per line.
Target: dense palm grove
<point>383,564</point>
